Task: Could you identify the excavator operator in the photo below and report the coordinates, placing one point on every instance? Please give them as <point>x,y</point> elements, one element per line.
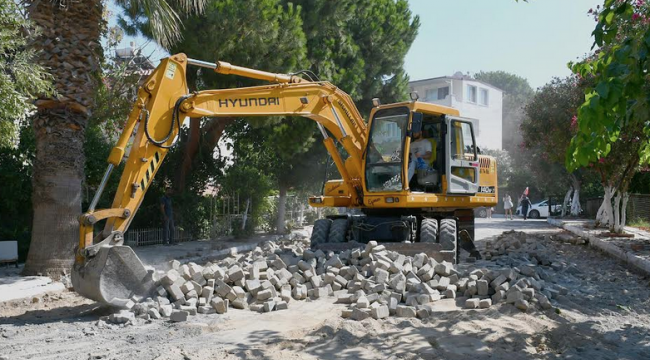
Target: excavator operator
<point>432,135</point>
<point>420,148</point>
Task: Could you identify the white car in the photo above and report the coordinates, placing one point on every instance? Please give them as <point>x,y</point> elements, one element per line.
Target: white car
<point>539,210</point>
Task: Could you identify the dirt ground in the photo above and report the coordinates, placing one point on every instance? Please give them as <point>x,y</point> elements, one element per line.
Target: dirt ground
<point>604,316</point>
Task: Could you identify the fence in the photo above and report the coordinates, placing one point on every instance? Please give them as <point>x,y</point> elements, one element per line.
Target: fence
<point>556,202</point>
<point>638,206</point>
<point>222,222</point>
<point>152,236</point>
<point>593,204</point>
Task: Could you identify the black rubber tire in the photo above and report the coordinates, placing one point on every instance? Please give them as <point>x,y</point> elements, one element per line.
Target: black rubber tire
<point>338,231</point>
<point>320,232</point>
<point>482,213</point>
<point>534,214</point>
<point>449,236</point>
<point>429,230</point>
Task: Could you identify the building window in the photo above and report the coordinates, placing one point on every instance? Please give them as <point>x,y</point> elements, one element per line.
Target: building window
<point>483,97</point>
<point>443,92</point>
<point>471,93</point>
<point>430,95</point>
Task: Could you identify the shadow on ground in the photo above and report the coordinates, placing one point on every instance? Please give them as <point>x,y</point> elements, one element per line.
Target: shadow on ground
<point>437,338</point>
<point>65,314</point>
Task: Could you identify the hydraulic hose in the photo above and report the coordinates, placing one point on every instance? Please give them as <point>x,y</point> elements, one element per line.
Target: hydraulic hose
<point>175,120</point>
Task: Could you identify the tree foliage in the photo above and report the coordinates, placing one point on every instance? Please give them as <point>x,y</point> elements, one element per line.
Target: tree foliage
<point>617,104</point>
<point>21,79</point>
<point>512,84</point>
<point>159,19</point>
<point>283,152</point>
<point>253,33</point>
<point>517,93</point>
<point>550,120</point>
<point>549,125</point>
<point>360,45</point>
<point>613,130</point>
<point>16,190</point>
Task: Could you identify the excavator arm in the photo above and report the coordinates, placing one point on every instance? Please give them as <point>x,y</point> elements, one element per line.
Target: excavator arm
<point>109,272</point>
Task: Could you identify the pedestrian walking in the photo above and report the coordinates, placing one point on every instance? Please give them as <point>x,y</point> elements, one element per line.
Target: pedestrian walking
<point>489,212</point>
<point>525,205</point>
<point>507,205</point>
<point>168,217</point>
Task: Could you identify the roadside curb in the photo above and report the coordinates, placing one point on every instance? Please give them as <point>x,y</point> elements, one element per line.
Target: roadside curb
<point>632,261</point>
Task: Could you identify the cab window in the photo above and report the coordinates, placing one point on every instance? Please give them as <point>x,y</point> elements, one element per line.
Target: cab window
<point>384,157</point>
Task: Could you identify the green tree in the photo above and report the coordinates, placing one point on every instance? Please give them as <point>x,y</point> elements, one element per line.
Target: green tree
<point>21,80</point>
<point>69,46</point>
<point>360,46</point>
<point>273,41</point>
<point>253,187</point>
<point>548,126</point>
<point>613,132</point>
<point>517,93</point>
<point>286,152</point>
<point>15,176</point>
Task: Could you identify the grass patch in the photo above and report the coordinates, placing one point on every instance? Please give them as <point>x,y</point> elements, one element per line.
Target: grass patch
<point>640,223</point>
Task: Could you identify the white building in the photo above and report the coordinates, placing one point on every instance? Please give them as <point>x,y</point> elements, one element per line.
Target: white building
<point>474,99</point>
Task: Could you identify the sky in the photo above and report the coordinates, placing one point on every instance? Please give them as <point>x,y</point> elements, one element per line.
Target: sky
<point>534,40</point>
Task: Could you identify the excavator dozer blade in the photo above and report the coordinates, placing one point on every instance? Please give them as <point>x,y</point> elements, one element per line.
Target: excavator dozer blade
<point>112,276</point>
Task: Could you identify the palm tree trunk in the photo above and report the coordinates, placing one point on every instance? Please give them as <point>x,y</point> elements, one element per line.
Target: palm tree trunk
<point>70,49</point>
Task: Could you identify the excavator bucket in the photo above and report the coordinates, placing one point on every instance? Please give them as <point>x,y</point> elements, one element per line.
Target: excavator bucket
<point>112,276</point>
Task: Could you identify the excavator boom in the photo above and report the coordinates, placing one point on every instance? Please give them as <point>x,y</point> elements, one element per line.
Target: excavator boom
<point>105,270</point>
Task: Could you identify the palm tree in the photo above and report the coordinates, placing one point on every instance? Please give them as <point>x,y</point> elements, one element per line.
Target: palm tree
<point>70,49</point>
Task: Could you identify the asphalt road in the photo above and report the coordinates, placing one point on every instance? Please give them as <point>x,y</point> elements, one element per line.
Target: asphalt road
<point>486,228</point>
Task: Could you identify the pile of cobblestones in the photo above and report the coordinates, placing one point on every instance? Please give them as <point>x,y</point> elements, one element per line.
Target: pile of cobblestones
<point>372,281</point>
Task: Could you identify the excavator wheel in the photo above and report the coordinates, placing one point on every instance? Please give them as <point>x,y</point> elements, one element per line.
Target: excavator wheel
<point>320,232</point>
<point>429,230</point>
<point>338,231</point>
<point>449,236</point>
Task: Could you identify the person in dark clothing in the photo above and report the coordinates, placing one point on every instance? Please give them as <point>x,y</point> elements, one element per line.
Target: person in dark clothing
<point>168,217</point>
<point>525,205</point>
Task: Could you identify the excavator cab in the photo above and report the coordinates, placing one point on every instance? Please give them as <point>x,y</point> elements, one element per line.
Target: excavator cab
<point>390,167</point>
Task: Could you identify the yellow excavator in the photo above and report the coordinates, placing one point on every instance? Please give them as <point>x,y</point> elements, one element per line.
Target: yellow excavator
<point>411,175</point>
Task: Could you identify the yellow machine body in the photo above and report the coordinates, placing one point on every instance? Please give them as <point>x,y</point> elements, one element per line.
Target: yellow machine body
<point>108,271</point>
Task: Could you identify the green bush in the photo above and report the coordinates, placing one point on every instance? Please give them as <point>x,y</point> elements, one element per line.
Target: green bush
<point>16,191</point>
<point>639,223</point>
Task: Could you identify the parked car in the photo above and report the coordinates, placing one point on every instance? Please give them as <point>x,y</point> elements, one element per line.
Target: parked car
<point>539,210</point>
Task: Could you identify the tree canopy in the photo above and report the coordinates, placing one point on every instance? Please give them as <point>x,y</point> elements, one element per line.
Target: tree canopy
<point>517,92</point>
<point>618,101</point>
<point>21,79</point>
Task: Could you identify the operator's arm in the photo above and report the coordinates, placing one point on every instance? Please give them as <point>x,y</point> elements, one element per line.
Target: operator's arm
<point>426,156</point>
